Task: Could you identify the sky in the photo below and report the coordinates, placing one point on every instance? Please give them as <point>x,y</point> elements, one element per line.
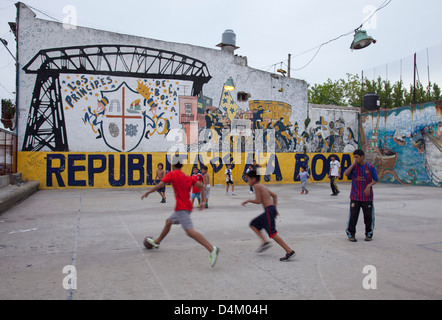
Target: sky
<point>267,32</point>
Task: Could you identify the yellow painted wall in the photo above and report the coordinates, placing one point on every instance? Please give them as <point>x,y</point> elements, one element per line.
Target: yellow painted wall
<point>58,170</point>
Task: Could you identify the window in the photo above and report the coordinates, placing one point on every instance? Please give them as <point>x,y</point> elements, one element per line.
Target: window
<point>243,96</point>
<point>188,108</point>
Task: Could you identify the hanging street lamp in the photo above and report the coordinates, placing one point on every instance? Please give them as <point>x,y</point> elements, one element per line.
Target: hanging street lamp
<point>361,40</point>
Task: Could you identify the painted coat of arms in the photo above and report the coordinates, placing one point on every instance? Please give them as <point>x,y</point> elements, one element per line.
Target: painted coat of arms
<point>124,117</point>
<point>123,124</point>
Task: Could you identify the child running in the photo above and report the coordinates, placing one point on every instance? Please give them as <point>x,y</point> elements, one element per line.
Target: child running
<point>249,169</point>
<point>229,180</point>
<point>196,192</point>
<point>304,176</point>
<point>266,221</point>
<point>182,184</point>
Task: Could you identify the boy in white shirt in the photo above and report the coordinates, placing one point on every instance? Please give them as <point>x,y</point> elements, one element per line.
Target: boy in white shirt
<point>229,180</point>
<point>335,174</point>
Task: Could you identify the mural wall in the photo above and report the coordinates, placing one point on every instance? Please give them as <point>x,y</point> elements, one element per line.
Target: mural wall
<point>95,105</point>
<point>56,170</point>
<point>332,129</point>
<point>405,144</point>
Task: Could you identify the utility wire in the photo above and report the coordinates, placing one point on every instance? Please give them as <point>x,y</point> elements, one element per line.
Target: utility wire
<point>44,13</point>
<point>383,5</point>
<point>7,90</point>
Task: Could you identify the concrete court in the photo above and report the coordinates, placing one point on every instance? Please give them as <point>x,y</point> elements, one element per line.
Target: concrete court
<point>100,232</point>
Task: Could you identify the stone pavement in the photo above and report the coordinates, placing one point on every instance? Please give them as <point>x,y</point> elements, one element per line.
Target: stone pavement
<point>100,233</point>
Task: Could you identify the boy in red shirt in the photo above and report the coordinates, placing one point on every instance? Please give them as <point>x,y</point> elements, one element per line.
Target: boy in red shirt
<point>182,184</point>
<point>196,192</point>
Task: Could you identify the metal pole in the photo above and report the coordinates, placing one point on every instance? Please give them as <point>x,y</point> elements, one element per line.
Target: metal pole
<point>362,110</point>
<point>429,79</point>
<point>414,85</point>
<point>290,65</point>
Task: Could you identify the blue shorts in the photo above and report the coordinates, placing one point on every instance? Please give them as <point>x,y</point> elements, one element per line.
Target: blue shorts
<point>196,196</point>
<point>163,189</point>
<point>267,221</point>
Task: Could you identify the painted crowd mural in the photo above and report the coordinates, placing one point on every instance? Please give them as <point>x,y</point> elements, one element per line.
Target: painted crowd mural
<point>405,144</point>
<point>332,131</point>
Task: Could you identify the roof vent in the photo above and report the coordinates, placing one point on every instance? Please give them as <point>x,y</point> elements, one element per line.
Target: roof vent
<point>228,42</point>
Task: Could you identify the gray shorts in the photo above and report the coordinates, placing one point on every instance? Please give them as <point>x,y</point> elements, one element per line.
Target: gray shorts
<point>182,218</point>
<point>304,185</point>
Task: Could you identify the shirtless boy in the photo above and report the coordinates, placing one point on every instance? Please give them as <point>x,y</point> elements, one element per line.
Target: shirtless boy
<point>160,176</point>
<point>266,221</point>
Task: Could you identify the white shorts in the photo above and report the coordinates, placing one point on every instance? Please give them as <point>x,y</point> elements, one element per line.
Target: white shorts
<point>207,193</point>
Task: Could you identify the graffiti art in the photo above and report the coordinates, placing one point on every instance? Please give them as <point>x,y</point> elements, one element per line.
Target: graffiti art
<point>405,144</point>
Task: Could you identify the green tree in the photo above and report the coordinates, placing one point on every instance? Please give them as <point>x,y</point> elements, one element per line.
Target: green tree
<point>8,112</point>
<point>348,92</point>
<point>398,95</point>
<point>352,90</point>
<point>435,92</point>
<point>329,93</point>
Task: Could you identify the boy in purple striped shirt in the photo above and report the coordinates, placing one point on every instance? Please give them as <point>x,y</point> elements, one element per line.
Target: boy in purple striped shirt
<point>364,176</point>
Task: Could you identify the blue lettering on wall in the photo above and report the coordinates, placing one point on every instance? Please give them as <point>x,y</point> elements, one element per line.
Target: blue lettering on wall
<point>72,169</point>
<point>319,176</point>
<point>301,160</point>
<point>93,170</point>
<point>273,168</point>
<point>216,168</point>
<point>135,163</point>
<point>50,170</point>
<point>122,181</point>
<point>345,164</point>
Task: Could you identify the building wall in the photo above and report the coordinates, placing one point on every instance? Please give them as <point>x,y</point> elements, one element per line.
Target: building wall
<point>333,129</point>
<point>73,110</point>
<point>58,170</point>
<point>405,144</point>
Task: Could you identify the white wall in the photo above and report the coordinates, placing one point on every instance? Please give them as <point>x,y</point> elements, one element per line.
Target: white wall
<point>36,34</point>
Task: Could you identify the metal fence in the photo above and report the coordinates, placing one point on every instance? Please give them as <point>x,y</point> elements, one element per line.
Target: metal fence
<point>8,152</point>
<point>418,72</point>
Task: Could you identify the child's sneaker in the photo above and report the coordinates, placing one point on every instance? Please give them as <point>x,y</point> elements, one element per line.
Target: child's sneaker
<point>153,243</point>
<point>288,256</point>
<point>264,247</point>
<point>214,256</point>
